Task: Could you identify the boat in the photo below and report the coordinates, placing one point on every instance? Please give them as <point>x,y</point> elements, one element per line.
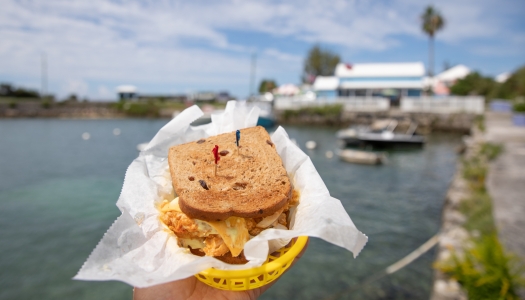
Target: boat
<point>266,116</point>
<point>362,157</point>
<point>382,134</point>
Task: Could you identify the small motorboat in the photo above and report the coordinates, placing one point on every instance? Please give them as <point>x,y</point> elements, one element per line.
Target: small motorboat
<point>362,157</point>
<point>380,133</point>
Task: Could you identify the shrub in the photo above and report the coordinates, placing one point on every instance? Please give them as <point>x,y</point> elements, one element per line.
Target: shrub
<point>45,104</point>
<point>519,107</point>
<point>141,109</point>
<point>490,150</point>
<point>485,271</point>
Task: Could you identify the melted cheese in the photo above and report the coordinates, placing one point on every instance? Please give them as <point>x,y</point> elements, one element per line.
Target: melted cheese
<point>233,230</point>
<point>234,233</point>
<point>170,206</point>
<point>193,243</point>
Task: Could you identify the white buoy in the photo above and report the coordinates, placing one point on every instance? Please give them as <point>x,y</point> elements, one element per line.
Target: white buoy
<point>311,145</point>
<point>116,131</point>
<point>86,136</point>
<point>329,154</point>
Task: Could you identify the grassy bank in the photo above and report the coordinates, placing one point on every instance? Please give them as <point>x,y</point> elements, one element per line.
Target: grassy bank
<point>157,108</point>
<point>482,267</point>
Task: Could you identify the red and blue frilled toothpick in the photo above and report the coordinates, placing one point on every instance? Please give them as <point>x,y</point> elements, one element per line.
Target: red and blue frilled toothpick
<point>217,157</point>
<point>237,138</point>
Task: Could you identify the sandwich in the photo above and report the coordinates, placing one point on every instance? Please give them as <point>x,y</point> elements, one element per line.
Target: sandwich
<point>220,205</point>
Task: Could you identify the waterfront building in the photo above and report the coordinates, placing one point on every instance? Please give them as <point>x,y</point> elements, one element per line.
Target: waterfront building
<point>127,92</point>
<point>390,80</point>
<point>442,82</point>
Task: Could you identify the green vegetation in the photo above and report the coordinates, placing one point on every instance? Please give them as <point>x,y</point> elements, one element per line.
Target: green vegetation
<point>431,22</point>
<point>474,84</point>
<point>519,107</point>
<point>491,150</point>
<point>152,108</point>
<point>483,269</point>
<point>8,90</point>
<point>328,111</point>
<point>319,62</point>
<point>267,85</point>
<point>477,84</point>
<point>479,120</point>
<point>514,86</point>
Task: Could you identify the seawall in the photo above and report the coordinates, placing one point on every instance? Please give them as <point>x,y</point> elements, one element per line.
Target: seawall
<point>427,122</point>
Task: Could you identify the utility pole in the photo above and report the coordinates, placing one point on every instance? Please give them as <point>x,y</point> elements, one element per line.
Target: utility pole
<point>252,73</point>
<point>43,91</point>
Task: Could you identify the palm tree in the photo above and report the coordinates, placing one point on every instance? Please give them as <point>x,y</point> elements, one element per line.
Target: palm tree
<point>432,21</point>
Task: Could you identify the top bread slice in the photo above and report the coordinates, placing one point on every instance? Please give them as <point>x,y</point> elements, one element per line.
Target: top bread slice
<point>250,183</point>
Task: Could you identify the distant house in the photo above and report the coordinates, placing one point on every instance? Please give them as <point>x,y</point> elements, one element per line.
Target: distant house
<point>326,86</point>
<point>442,82</point>
<point>390,80</point>
<point>204,96</point>
<point>127,92</point>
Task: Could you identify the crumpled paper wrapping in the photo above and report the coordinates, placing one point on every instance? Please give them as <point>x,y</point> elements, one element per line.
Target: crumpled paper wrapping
<point>137,248</point>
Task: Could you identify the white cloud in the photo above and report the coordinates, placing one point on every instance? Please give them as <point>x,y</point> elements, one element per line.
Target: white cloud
<point>186,46</point>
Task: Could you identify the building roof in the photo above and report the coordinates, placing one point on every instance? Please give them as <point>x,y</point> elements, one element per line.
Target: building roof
<point>126,89</point>
<point>411,69</point>
<point>326,83</point>
<point>454,73</point>
<point>383,84</point>
<point>287,90</point>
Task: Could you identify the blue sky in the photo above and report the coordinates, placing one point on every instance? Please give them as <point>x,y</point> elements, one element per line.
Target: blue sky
<point>183,47</point>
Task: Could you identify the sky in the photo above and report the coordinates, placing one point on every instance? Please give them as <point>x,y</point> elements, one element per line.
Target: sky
<point>175,47</point>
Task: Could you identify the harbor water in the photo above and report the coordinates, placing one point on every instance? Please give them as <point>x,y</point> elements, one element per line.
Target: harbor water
<point>60,180</point>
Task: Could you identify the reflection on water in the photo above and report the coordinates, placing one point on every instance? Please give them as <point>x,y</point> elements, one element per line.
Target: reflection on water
<point>58,194</point>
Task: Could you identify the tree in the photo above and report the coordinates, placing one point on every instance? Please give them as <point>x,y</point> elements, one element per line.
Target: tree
<point>319,62</point>
<point>474,84</point>
<point>267,85</point>
<point>7,90</point>
<point>514,86</point>
<point>432,21</point>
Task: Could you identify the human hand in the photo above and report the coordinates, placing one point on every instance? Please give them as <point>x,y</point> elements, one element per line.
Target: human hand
<point>193,289</point>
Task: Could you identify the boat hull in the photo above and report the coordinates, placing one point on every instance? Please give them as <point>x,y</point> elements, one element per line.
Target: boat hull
<point>361,157</point>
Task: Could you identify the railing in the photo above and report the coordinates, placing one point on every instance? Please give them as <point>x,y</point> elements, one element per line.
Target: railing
<point>469,104</point>
<point>349,103</point>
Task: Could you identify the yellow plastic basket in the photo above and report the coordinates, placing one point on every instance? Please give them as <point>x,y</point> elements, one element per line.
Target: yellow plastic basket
<point>242,280</point>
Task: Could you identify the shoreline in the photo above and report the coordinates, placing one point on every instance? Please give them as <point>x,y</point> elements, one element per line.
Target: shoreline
<point>504,188</point>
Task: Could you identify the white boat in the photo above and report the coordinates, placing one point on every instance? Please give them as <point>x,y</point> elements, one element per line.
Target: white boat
<point>362,157</point>
<point>380,133</point>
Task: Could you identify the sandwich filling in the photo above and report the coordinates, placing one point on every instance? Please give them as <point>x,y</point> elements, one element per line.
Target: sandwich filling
<point>216,238</point>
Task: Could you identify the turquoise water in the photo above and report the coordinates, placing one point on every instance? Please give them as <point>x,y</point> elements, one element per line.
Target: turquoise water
<point>58,194</point>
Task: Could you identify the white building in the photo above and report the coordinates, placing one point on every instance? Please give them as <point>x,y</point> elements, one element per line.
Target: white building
<point>126,92</point>
<point>390,80</point>
<point>442,82</point>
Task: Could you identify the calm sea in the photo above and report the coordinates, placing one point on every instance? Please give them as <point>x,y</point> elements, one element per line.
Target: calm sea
<point>58,194</point>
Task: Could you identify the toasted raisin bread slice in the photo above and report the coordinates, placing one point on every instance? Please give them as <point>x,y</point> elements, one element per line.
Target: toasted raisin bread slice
<point>251,182</point>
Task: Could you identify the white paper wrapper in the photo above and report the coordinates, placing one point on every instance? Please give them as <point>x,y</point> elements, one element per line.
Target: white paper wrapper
<point>138,250</point>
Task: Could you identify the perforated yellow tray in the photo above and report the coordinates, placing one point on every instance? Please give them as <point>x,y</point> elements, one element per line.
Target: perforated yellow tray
<point>241,280</point>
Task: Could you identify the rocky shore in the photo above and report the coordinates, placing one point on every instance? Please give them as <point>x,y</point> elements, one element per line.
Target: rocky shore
<point>80,110</point>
